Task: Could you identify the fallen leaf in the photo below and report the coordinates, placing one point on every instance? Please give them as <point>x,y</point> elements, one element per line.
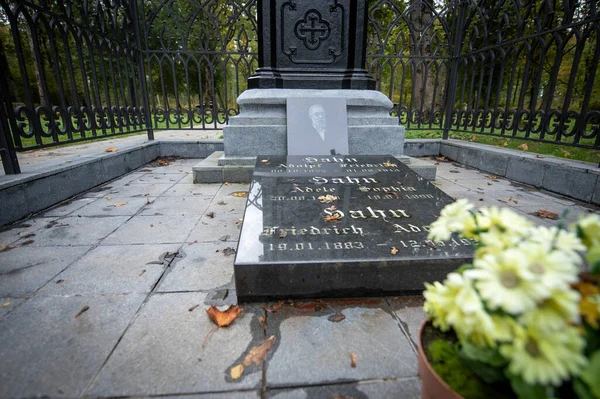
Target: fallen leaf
<point>473,138</point>
<point>228,251</point>
<point>223,318</point>
<point>9,247</point>
<point>221,203</point>
<point>82,311</point>
<point>524,147</point>
<point>119,204</point>
<point>393,250</point>
<point>60,281</point>
<point>29,235</point>
<point>151,225</point>
<point>210,214</point>
<point>336,317</point>
<point>193,242</point>
<point>352,360</point>
<point>142,272</point>
<point>430,244</point>
<point>193,307</point>
<point>240,194</point>
<point>539,156</point>
<point>225,238</point>
<point>436,163</point>
<point>259,353</point>
<point>282,233</point>
<point>547,214</point>
<point>264,161</point>
<point>274,308</point>
<point>262,321</point>
<point>389,164</point>
<point>327,199</point>
<point>505,144</point>
<point>335,218</point>
<point>148,202</point>
<point>108,198</point>
<point>6,304</point>
<point>51,224</point>
<point>493,177</point>
<point>454,171</point>
<point>111,149</point>
<point>227,183</point>
<point>236,372</point>
<point>155,262</point>
<point>395,194</point>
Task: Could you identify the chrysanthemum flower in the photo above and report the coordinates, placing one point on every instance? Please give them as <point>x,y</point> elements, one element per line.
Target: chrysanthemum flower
<point>555,312</point>
<point>503,219</point>
<point>452,219</point>
<point>558,239</point>
<point>505,282</point>
<point>554,269</point>
<point>546,359</point>
<point>589,227</point>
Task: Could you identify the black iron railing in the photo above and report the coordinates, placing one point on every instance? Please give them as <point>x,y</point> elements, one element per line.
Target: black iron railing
<point>78,70</point>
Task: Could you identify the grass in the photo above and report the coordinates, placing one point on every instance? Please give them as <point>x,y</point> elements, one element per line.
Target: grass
<point>557,150</point>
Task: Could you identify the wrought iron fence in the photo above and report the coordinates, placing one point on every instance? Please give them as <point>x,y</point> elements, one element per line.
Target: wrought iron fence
<point>84,69</point>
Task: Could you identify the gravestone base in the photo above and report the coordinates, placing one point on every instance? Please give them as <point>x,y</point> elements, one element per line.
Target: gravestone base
<point>217,168</point>
<point>337,226</point>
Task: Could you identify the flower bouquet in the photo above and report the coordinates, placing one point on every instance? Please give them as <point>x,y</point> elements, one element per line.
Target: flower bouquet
<point>523,320</point>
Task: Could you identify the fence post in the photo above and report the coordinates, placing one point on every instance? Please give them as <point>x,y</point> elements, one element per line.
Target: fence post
<point>7,148</point>
<point>140,61</point>
<point>451,83</point>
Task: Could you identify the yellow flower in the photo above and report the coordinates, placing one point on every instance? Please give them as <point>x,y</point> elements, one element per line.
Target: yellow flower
<point>546,359</point>
<point>436,299</point>
<point>553,269</point>
<point>555,312</point>
<point>589,227</point>
<point>452,219</point>
<point>503,219</point>
<point>505,282</point>
<point>559,239</point>
<point>495,241</point>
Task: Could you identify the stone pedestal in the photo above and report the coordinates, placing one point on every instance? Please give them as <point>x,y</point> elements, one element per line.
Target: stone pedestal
<point>261,129</point>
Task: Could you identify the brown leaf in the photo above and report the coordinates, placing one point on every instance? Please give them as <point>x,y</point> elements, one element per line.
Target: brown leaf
<point>240,194</point>
<point>142,272</point>
<point>210,214</point>
<point>227,183</point>
<point>335,218</point>
<point>119,204</point>
<point>395,194</point>
<point>274,308</point>
<point>259,353</point>
<point>547,214</point>
<point>524,147</point>
<point>430,244</point>
<point>282,233</point>
<point>155,262</point>
<point>148,202</point>
<point>9,247</point>
<point>29,235</point>
<point>193,242</point>
<point>6,304</point>
<point>82,311</point>
<point>352,360</point>
<point>193,307</point>
<point>473,138</point>
<point>60,281</point>
<point>393,250</point>
<point>493,177</point>
<point>111,149</point>
<point>236,372</point>
<point>539,156</point>
<point>389,164</point>
<point>336,317</point>
<point>262,321</point>
<point>223,318</point>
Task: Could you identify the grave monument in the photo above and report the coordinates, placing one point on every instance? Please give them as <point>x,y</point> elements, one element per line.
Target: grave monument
<point>306,49</point>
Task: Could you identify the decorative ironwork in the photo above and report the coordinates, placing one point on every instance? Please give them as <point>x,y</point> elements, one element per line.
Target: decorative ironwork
<point>312,29</point>
<point>81,69</point>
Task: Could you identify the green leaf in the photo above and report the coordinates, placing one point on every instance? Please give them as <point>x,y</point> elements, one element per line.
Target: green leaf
<point>486,363</point>
<point>464,267</point>
<point>485,355</point>
<point>582,390</point>
<point>526,391</point>
<point>591,374</point>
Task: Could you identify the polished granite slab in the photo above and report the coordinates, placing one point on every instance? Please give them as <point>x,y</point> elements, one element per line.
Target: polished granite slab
<point>327,226</point>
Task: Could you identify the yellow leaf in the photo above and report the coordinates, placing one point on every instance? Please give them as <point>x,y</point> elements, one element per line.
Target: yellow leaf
<point>111,149</point>
<point>5,304</point>
<point>327,199</point>
<point>240,194</point>
<point>226,183</point>
<point>393,250</point>
<point>237,371</point>
<point>524,147</point>
<point>119,204</point>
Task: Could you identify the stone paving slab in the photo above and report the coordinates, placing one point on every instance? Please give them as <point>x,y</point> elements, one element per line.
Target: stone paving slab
<point>73,230</point>
<point>146,178</point>
<point>111,269</point>
<point>114,206</point>
<point>227,395</point>
<point>22,231</point>
<point>47,351</point>
<point>192,190</point>
<point>25,270</point>
<point>162,351</point>
<point>153,230</point>
<point>137,190</point>
<point>409,388</point>
<point>8,304</point>
<point>177,206</point>
<point>409,310</point>
<point>221,224</point>
<point>67,207</point>
<point>312,350</point>
<point>202,268</point>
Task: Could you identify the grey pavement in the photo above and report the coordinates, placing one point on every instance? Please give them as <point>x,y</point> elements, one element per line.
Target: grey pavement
<point>105,295</point>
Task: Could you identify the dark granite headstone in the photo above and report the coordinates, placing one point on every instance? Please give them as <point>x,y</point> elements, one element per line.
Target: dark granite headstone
<point>317,126</point>
<point>318,226</point>
<point>311,44</point>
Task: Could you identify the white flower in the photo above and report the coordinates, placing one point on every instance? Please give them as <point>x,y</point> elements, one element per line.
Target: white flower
<point>559,239</point>
<point>544,359</point>
<point>452,219</point>
<point>555,312</point>
<point>503,219</point>
<point>589,228</point>
<point>554,269</point>
<point>505,282</point>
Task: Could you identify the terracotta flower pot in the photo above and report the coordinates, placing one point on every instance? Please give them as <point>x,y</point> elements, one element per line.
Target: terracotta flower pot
<point>433,386</point>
